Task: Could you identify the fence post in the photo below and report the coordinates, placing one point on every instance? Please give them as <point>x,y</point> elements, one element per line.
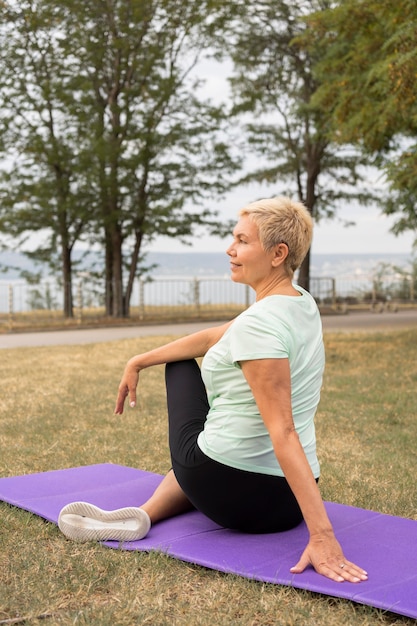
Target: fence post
<point>197,294</point>
<point>80,301</point>
<point>141,298</point>
<point>334,296</point>
<point>11,301</point>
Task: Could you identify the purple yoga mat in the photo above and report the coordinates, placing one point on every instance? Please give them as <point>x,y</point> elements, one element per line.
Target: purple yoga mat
<point>384,545</point>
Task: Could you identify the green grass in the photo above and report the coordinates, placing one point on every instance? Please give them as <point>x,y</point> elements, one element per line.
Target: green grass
<point>56,411</point>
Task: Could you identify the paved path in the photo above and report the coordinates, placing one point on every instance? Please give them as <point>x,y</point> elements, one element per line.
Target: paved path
<point>353,322</point>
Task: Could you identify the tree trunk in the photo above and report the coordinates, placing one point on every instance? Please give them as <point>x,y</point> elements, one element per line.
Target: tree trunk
<point>118,308</point>
<point>108,274</point>
<point>314,152</point>
<point>67,280</point>
<point>132,272</point>
<point>304,273</point>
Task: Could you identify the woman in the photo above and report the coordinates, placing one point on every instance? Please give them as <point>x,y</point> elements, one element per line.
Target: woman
<point>241,431</point>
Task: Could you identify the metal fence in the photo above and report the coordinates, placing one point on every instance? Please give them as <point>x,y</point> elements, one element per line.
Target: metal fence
<point>21,297</point>
<point>185,297</point>
<point>22,304</point>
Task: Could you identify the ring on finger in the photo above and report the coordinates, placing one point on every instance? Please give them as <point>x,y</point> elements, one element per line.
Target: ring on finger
<point>342,565</point>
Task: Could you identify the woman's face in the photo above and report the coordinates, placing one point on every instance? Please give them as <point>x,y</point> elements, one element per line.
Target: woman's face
<point>249,262</point>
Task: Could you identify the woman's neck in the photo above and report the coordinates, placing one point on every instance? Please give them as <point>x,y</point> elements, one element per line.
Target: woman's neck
<point>280,286</point>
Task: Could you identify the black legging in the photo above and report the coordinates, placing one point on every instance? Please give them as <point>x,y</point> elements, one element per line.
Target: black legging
<point>233,498</point>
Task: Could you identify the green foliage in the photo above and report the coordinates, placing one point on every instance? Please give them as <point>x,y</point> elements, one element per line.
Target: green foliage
<point>109,141</point>
<point>391,282</point>
<point>274,86</point>
<point>274,81</point>
<point>367,53</point>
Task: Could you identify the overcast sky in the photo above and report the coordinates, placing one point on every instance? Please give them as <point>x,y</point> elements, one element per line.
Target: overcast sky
<point>370,234</point>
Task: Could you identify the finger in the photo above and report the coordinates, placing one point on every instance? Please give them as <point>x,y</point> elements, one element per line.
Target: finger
<point>301,565</point>
<point>339,570</point>
<point>352,572</point>
<point>328,572</point>
<point>132,398</point>
<point>118,410</point>
<point>120,401</point>
<point>334,573</point>
<point>342,572</point>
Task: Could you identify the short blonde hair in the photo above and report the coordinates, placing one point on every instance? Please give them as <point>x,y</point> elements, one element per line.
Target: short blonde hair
<point>282,220</point>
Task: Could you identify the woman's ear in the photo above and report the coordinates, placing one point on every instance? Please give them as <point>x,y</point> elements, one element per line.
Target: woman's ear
<point>280,254</point>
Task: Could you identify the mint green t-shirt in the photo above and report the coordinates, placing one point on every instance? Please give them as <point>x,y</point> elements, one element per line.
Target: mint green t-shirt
<point>276,327</point>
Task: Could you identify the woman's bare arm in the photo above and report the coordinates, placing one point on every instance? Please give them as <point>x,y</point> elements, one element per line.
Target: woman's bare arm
<point>270,382</point>
<point>188,347</point>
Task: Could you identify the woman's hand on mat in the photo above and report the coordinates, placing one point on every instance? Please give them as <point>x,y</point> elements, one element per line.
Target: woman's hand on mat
<point>326,556</point>
<point>127,387</point>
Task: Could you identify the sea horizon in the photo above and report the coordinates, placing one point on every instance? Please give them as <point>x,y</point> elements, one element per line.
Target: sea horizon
<point>215,264</point>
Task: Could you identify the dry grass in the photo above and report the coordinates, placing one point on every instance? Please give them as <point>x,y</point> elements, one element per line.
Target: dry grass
<point>96,317</point>
<point>56,410</point>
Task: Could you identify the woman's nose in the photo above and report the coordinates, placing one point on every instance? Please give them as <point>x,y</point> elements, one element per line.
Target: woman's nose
<point>230,250</point>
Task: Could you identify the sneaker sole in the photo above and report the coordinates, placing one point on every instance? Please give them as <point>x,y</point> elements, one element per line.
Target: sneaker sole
<point>82,521</point>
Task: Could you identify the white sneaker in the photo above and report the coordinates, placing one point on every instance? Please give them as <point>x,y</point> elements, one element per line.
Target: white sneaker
<point>81,521</point>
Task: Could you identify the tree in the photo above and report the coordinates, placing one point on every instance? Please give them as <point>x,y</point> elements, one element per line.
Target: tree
<point>136,145</point>
<point>42,186</point>
<point>158,145</point>
<point>274,85</point>
<point>368,56</point>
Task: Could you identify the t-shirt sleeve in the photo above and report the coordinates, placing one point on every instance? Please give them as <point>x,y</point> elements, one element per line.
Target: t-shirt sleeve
<point>258,338</point>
